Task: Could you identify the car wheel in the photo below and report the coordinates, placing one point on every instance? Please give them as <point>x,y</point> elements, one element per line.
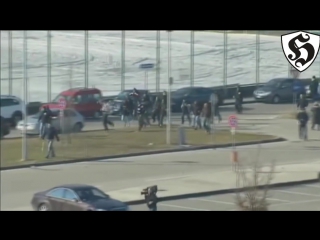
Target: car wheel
<point>16,117</point>
<point>97,114</point>
<point>276,99</point>
<point>43,207</point>
<point>77,127</point>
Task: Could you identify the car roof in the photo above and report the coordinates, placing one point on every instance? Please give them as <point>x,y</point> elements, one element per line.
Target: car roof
<point>73,186</point>
<point>79,89</point>
<point>8,96</point>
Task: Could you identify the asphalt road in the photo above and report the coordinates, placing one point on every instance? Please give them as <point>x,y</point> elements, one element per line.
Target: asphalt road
<point>295,198</point>
<point>18,186</point>
<point>248,109</point>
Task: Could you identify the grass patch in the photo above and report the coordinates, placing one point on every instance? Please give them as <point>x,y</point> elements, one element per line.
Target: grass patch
<point>114,142</point>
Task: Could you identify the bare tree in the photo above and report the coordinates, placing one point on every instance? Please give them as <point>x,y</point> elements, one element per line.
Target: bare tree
<point>252,191</point>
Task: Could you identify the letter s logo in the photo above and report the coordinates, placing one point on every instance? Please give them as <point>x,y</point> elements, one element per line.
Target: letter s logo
<point>296,50</point>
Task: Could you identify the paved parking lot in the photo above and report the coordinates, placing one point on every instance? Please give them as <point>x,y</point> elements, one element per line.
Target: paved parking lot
<point>297,198</point>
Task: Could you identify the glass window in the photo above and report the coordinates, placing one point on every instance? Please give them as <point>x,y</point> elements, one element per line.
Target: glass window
<point>88,194</point>
<point>9,102</point>
<point>77,99</point>
<point>56,99</point>
<point>56,193</point>
<point>97,96</point>
<point>69,195</point>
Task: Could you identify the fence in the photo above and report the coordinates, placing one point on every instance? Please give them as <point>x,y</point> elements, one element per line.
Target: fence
<point>116,60</point>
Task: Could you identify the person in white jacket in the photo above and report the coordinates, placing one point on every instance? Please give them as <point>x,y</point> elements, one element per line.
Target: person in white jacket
<point>106,110</point>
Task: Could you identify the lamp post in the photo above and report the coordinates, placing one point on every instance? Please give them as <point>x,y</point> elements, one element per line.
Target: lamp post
<point>48,66</point>
<point>25,97</point>
<point>168,126</point>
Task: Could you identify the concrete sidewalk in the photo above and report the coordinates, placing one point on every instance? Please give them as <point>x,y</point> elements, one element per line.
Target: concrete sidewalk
<point>210,182</point>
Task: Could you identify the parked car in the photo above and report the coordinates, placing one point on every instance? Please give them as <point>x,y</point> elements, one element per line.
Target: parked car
<point>75,197</point>
<point>83,100</point>
<point>4,128</point>
<point>280,90</point>
<point>12,109</point>
<point>190,95</point>
<point>72,121</point>
<point>118,101</point>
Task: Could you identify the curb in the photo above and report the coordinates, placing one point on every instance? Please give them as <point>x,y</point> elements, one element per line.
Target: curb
<point>224,191</point>
<point>183,149</point>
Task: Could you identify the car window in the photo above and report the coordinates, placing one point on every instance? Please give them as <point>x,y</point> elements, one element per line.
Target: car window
<point>56,193</point>
<point>57,98</point>
<point>9,102</point>
<point>87,194</point>
<point>69,195</point>
<point>287,83</point>
<point>97,97</point>
<point>78,99</point>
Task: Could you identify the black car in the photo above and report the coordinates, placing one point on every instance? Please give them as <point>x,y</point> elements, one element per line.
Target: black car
<point>117,104</point>
<point>4,128</point>
<point>75,197</point>
<point>280,90</point>
<point>190,95</point>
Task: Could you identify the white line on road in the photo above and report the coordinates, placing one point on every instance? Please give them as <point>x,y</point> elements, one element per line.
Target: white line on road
<point>298,202</point>
<point>297,193</point>
<point>187,208</point>
<point>212,201</point>
<point>167,178</point>
<point>312,186</point>
<point>279,200</point>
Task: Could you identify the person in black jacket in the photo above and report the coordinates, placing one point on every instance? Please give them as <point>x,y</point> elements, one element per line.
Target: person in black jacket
<point>303,119</point>
<point>163,110</point>
<point>197,109</point>
<point>185,108</point>
<point>302,102</point>
<point>50,133</point>
<point>141,111</point>
<point>44,119</point>
<point>315,116</point>
<point>314,88</point>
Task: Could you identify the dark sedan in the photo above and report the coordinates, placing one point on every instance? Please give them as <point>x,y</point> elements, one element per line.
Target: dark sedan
<point>281,90</point>
<point>75,197</point>
<point>190,95</point>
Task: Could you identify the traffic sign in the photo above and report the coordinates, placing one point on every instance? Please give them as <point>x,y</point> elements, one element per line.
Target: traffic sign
<point>146,66</point>
<point>62,103</point>
<point>233,121</point>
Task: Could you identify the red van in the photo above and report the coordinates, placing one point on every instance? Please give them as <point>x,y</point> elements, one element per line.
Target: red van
<point>83,100</point>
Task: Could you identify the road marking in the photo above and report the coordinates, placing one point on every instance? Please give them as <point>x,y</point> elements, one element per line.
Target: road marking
<point>187,208</point>
<point>167,178</point>
<point>312,186</point>
<point>212,201</point>
<point>299,202</point>
<point>297,193</point>
<point>279,200</point>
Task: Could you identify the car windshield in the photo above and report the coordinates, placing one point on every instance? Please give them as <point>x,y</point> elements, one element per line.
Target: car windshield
<point>67,98</point>
<point>123,95</point>
<point>275,83</point>
<point>89,194</point>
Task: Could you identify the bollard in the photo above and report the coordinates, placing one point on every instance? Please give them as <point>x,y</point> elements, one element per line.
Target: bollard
<point>234,157</point>
<point>182,136</point>
<point>234,160</point>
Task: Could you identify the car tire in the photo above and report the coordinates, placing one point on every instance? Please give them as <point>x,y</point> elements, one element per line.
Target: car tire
<point>15,118</point>
<point>43,207</point>
<point>276,99</point>
<point>77,127</point>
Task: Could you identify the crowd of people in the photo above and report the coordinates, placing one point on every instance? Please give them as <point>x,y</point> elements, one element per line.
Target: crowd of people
<point>303,116</point>
<point>145,109</point>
